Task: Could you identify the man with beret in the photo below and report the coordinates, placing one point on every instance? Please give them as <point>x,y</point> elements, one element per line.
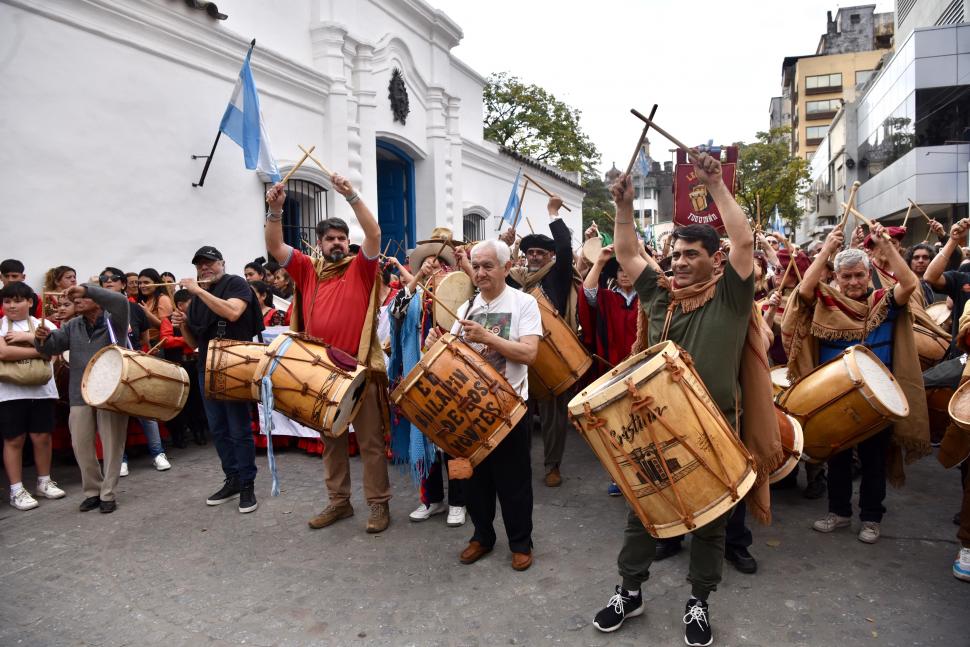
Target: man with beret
<point>549,267</point>
<point>226,308</point>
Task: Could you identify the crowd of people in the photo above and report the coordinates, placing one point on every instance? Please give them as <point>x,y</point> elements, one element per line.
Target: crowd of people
<point>749,300</point>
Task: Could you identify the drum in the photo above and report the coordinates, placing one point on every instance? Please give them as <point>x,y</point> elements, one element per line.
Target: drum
<point>452,290</point>
<point>938,407</point>
<point>940,313</point>
<point>930,347</point>
<point>313,383</point>
<point>592,248</point>
<point>792,442</point>
<point>779,379</point>
<point>458,400</point>
<point>955,445</point>
<point>561,360</point>
<point>133,383</point>
<point>230,369</point>
<point>843,402</point>
<point>658,432</point>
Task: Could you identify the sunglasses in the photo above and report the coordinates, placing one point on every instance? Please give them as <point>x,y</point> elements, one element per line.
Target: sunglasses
<point>104,278</point>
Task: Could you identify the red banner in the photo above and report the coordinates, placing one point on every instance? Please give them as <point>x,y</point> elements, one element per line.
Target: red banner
<point>692,203</point>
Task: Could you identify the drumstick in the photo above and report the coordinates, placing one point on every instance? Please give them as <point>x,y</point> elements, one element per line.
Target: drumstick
<point>660,130</point>
<point>43,305</point>
<point>316,161</point>
<point>643,136</point>
<point>604,360</point>
<point>151,351</point>
<point>784,277</point>
<point>529,222</point>
<point>431,294</point>
<point>920,209</point>
<point>868,222</point>
<point>906,217</point>
<point>298,164</point>
<point>164,285</point>
<point>543,189</point>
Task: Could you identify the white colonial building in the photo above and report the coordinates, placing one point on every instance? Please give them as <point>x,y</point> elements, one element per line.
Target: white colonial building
<point>105,102</point>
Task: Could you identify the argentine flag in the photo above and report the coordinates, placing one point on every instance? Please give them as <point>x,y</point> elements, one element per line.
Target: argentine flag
<point>243,123</point>
<point>513,204</point>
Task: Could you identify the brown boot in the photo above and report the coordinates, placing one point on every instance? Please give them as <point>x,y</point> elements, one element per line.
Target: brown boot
<point>473,552</point>
<point>553,478</point>
<point>331,514</point>
<point>380,517</point>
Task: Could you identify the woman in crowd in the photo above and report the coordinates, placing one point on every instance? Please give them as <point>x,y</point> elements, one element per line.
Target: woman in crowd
<point>155,301</point>
<point>57,279</point>
<point>255,271</point>
<point>271,316</point>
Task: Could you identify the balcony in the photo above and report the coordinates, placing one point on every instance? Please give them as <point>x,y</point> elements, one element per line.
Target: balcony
<point>819,116</point>
<point>829,89</point>
<point>815,141</point>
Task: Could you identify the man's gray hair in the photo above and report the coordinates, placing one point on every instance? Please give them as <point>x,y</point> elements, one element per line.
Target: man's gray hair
<point>502,251</point>
<point>850,258</point>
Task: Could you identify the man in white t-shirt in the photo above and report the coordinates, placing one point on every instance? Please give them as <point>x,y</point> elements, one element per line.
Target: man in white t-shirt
<point>504,326</point>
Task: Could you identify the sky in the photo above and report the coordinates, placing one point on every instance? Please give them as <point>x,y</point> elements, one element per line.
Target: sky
<point>712,66</point>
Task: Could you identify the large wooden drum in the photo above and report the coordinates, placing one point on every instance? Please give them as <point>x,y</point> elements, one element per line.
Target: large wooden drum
<point>134,383</point>
<point>592,248</point>
<point>930,347</point>
<point>658,432</point>
<point>940,313</point>
<point>459,400</point>
<point>230,369</point>
<point>792,442</point>
<point>937,405</point>
<point>843,402</point>
<point>313,383</point>
<point>561,360</point>
<point>779,379</point>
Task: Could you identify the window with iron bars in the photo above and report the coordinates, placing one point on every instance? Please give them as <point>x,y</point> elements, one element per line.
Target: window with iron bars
<point>473,226</point>
<point>305,206</point>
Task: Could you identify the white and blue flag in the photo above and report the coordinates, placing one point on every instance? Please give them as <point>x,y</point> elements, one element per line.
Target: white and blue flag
<point>644,163</point>
<point>513,204</point>
<point>243,123</point>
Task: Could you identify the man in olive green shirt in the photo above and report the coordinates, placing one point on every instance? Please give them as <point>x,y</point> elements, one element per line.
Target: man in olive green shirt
<point>713,333</point>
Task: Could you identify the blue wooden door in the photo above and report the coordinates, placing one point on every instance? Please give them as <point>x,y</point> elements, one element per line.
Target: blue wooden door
<point>392,201</point>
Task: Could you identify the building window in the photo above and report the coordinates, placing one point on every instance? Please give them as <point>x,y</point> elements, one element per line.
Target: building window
<point>305,206</point>
<point>473,226</point>
<point>823,83</point>
<point>815,132</point>
<point>861,76</point>
<point>822,109</point>
<point>942,115</point>
<point>854,19</point>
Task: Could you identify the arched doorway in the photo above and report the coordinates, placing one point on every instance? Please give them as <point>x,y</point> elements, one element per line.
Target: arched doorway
<point>395,197</point>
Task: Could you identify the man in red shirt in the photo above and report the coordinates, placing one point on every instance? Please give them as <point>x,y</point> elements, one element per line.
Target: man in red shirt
<point>335,300</point>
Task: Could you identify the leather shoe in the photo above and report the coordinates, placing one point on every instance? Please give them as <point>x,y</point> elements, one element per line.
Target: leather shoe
<point>89,503</point>
<point>474,552</point>
<point>331,514</point>
<point>667,548</point>
<point>521,561</point>
<point>742,560</point>
<point>108,506</point>
<point>553,478</point>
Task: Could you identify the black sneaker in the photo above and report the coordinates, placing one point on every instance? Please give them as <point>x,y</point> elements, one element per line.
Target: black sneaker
<point>697,627</point>
<point>247,498</point>
<point>620,607</point>
<point>228,491</point>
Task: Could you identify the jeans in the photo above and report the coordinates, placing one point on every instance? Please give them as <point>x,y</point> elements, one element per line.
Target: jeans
<point>229,426</point>
<point>152,435</point>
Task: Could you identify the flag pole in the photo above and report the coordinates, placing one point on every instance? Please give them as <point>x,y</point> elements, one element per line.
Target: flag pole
<point>208,158</point>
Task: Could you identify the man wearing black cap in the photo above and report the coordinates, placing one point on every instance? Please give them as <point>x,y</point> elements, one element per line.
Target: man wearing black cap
<point>225,308</point>
<point>549,268</point>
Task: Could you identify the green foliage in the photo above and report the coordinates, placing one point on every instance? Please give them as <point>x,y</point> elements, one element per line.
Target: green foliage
<point>531,121</point>
<point>767,169</point>
<point>598,204</point>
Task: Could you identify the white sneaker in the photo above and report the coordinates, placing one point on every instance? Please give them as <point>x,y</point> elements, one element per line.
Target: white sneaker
<point>124,468</point>
<point>870,532</point>
<point>830,522</point>
<point>425,512</point>
<point>50,490</point>
<point>456,516</point>
<point>22,500</point>
<point>961,565</point>
<point>161,462</point>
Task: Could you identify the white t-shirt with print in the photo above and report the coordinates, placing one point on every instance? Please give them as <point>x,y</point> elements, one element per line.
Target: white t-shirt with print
<point>512,315</point>
<point>10,391</point>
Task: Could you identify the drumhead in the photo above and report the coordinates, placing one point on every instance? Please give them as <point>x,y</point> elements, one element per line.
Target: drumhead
<point>454,290</point>
<point>348,404</point>
<point>882,384</point>
<point>592,248</point>
<point>619,377</point>
<point>939,312</point>
<point>779,377</point>
<point>104,376</point>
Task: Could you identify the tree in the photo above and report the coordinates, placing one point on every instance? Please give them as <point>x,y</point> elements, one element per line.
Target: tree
<point>767,169</point>
<point>598,204</point>
<point>531,121</point>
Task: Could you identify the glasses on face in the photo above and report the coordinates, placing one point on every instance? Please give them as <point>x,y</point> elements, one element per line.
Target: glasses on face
<point>106,278</point>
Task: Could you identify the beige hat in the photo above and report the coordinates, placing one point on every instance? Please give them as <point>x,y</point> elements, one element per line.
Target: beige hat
<point>440,244</point>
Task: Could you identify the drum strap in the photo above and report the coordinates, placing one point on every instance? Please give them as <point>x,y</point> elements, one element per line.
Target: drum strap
<point>266,398</point>
<point>221,329</point>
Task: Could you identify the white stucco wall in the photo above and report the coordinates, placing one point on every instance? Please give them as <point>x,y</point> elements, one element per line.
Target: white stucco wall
<point>104,102</point>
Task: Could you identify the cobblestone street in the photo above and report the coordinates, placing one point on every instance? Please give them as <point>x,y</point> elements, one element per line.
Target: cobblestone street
<point>165,569</point>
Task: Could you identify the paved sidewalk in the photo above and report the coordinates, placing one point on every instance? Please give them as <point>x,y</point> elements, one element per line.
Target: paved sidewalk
<point>165,569</point>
